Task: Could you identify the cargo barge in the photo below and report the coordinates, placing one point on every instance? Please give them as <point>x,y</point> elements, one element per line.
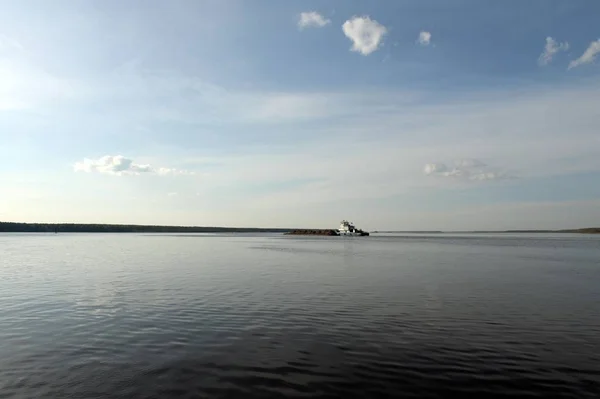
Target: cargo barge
<point>346,229</point>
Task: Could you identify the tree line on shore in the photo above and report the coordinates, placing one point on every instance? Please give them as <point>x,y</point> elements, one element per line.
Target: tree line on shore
<point>12,227</point>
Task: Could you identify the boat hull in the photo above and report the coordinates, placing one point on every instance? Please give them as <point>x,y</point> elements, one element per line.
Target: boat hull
<point>353,233</point>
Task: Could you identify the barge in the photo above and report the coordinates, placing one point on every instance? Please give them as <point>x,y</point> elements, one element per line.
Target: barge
<point>346,229</point>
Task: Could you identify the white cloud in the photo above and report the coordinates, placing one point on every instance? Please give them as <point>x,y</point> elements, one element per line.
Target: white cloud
<point>435,168</point>
<point>550,49</point>
<point>588,56</point>
<point>366,34</point>
<point>8,43</point>
<point>174,194</point>
<point>467,169</point>
<point>119,165</point>
<point>424,38</point>
<point>174,172</point>
<point>312,19</point>
<point>114,165</point>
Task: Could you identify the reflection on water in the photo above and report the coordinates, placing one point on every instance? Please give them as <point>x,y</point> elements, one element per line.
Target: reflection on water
<point>141,316</point>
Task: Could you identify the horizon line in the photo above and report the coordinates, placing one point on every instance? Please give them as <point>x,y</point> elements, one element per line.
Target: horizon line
<point>189,227</point>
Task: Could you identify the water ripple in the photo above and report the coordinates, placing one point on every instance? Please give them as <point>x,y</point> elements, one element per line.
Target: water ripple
<point>147,317</point>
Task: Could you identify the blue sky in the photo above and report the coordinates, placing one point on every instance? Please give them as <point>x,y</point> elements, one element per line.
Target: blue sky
<point>397,115</point>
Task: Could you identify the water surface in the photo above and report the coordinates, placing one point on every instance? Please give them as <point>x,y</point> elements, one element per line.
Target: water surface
<point>264,315</point>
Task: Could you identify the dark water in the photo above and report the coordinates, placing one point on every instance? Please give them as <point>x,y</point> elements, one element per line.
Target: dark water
<point>143,316</point>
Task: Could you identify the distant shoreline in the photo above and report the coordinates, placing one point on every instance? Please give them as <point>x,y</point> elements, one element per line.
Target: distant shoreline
<point>588,230</point>
<point>12,227</point>
<point>15,227</point>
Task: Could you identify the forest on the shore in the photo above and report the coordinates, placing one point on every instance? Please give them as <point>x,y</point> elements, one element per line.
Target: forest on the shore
<point>124,228</point>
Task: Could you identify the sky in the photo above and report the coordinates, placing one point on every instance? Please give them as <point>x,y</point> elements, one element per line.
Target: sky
<point>396,115</point>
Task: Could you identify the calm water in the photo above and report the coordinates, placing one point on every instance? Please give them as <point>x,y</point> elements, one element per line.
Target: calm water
<point>161,316</point>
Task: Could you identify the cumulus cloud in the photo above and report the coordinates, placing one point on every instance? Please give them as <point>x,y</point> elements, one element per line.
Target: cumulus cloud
<point>312,19</point>
<point>119,165</point>
<point>435,168</point>
<point>366,34</point>
<point>466,169</point>
<point>588,56</point>
<point>424,38</point>
<point>550,49</point>
<point>113,165</point>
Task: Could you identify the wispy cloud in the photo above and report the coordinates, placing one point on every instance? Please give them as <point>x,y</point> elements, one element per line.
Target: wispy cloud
<point>152,96</point>
<point>550,49</point>
<point>26,86</point>
<point>174,172</point>
<point>424,38</point>
<point>366,34</point>
<point>466,169</point>
<point>9,43</point>
<point>588,56</point>
<point>494,126</point>
<point>119,165</point>
<point>312,19</point>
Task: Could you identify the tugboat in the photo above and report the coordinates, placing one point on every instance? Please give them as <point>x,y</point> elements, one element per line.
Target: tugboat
<point>348,229</point>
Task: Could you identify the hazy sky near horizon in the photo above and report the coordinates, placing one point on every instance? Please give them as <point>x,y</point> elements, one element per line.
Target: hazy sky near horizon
<point>396,115</point>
